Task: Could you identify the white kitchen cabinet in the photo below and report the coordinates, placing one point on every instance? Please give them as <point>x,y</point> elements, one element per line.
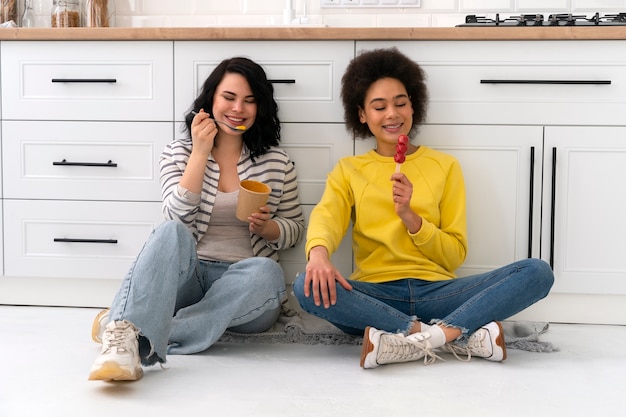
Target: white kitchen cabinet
<point>500,107</point>
<point>502,169</point>
<point>584,223</point>
<point>83,124</point>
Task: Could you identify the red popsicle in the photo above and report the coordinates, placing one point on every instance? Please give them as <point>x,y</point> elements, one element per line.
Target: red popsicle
<point>401,147</point>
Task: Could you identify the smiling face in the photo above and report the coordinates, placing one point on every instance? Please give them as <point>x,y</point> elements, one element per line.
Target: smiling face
<point>388,113</point>
<point>234,103</point>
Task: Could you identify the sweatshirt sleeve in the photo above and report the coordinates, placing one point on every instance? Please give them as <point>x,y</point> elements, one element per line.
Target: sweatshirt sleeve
<point>177,205</point>
<point>331,217</point>
<point>446,244</point>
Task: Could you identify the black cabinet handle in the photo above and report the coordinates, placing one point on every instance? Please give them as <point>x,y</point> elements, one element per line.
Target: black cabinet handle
<point>574,82</point>
<point>70,240</point>
<point>84,80</point>
<point>553,208</point>
<point>530,208</point>
<point>64,162</point>
<point>282,81</point>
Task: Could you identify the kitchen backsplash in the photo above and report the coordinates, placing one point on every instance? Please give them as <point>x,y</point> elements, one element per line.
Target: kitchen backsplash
<point>431,13</point>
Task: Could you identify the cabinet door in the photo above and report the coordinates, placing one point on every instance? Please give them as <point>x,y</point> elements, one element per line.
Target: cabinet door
<point>502,170</point>
<point>502,181</point>
<point>315,149</point>
<point>584,223</point>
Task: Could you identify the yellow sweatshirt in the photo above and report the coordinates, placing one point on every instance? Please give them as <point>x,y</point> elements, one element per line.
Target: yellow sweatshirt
<point>359,189</point>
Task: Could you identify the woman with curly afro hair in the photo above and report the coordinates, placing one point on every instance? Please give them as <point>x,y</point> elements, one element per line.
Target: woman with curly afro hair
<point>406,204</point>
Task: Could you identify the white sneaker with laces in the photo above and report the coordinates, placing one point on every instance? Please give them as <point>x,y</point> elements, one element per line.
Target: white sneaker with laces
<point>381,347</point>
<point>119,359</point>
<point>486,342</point>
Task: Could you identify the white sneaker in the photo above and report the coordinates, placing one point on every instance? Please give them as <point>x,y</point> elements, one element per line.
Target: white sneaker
<point>486,342</point>
<point>99,324</point>
<point>380,347</point>
<point>119,359</point>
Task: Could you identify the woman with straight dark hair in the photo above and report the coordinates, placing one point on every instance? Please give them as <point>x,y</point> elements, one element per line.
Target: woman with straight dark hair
<point>203,271</point>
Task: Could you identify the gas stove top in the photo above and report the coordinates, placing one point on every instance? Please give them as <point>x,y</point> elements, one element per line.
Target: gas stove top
<point>535,20</point>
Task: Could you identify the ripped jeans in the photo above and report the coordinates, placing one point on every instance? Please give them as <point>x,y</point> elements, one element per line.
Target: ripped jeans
<point>183,305</point>
<point>465,303</point>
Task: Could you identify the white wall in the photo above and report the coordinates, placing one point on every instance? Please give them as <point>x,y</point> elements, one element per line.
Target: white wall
<point>436,13</point>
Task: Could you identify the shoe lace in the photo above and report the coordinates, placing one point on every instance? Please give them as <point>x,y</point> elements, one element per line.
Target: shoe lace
<point>117,337</point>
<point>457,351</point>
<point>476,343</point>
<point>402,349</point>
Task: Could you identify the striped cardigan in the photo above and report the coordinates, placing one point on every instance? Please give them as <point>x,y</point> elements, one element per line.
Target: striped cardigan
<point>273,168</point>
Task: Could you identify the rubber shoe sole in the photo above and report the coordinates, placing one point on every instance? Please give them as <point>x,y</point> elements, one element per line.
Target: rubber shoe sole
<point>112,371</point>
<point>499,353</point>
<point>96,327</point>
<point>368,356</point>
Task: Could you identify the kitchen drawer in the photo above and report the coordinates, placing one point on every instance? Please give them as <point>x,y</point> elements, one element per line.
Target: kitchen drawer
<point>521,82</point>
<point>75,239</point>
<point>87,80</point>
<point>83,160</point>
<point>306,75</point>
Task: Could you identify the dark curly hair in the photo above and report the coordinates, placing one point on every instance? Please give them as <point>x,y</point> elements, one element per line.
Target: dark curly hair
<point>265,132</point>
<point>369,67</point>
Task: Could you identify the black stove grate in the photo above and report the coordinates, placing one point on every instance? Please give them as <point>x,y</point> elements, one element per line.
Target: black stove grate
<point>563,19</point>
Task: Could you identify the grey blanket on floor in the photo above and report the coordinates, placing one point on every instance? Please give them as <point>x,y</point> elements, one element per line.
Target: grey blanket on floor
<point>303,328</point>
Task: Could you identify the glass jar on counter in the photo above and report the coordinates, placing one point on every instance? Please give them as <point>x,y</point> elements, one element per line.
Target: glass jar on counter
<point>99,13</point>
<point>65,14</point>
<point>28,17</point>
<point>8,11</point>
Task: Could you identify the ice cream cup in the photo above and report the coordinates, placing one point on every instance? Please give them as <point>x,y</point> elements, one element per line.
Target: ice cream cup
<point>252,195</point>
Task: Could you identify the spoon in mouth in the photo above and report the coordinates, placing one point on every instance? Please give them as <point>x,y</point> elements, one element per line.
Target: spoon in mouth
<point>239,128</point>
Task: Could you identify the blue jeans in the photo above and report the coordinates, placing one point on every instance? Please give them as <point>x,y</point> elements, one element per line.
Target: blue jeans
<point>183,305</point>
<point>465,303</point>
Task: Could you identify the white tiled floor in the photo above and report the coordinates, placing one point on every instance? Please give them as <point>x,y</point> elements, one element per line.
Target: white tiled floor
<point>46,354</point>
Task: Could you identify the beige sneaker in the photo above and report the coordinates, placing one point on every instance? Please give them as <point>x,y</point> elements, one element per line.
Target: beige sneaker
<point>486,342</point>
<point>119,359</point>
<point>99,323</point>
<point>380,347</point>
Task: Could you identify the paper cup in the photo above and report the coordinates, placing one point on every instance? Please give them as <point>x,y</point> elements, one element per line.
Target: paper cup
<point>252,195</point>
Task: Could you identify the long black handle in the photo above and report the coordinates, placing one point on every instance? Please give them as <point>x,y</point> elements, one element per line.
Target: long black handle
<point>553,208</point>
<point>531,199</point>
<point>575,82</point>
<point>282,81</point>
<point>70,240</point>
<point>64,162</point>
<point>84,80</point>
